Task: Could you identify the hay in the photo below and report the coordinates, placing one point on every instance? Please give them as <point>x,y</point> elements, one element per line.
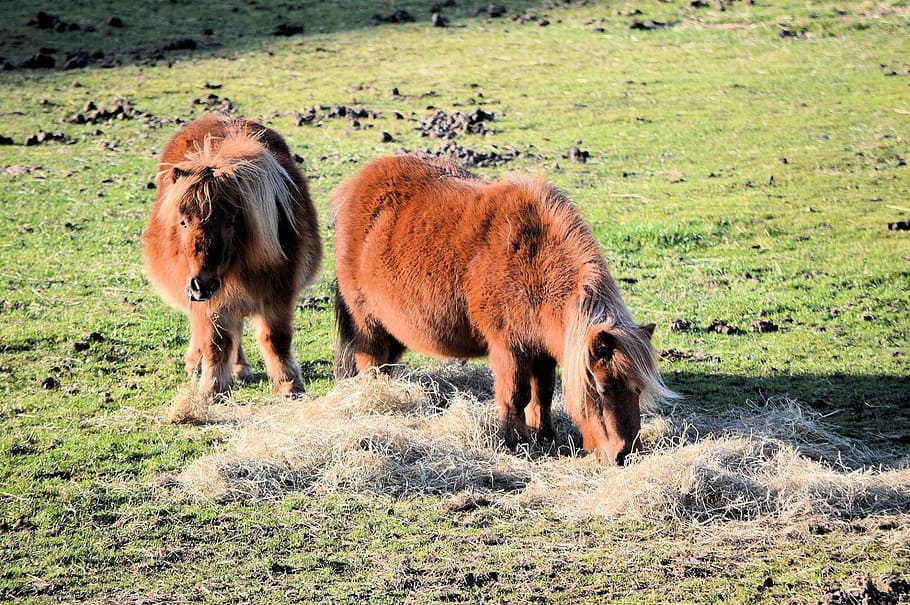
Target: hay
<point>434,432</point>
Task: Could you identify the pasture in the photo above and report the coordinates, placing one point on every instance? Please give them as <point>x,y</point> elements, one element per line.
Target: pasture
<point>742,164</point>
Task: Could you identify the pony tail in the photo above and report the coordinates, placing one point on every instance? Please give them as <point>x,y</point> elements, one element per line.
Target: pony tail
<point>343,366</point>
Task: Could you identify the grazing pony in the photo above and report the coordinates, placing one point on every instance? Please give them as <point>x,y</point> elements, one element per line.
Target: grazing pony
<point>432,258</point>
<point>233,233</point>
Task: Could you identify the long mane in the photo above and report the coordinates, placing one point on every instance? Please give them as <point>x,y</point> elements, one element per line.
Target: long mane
<point>598,303</point>
<point>237,169</point>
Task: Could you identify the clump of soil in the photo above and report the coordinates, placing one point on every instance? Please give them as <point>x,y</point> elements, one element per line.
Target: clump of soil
<point>40,60</point>
<point>213,102</point>
<point>471,157</point>
<point>648,25</point>
<point>884,592</point>
<point>79,58</point>
<point>720,326</point>
<point>287,29</point>
<point>121,110</point>
<point>680,325</point>
<point>42,137</point>
<point>496,10</point>
<point>579,155</point>
<point>45,20</point>
<point>441,125</point>
<point>676,355</point>
<point>316,114</point>
<point>763,326</point>
<point>181,44</point>
<point>87,340</point>
<point>399,16</point>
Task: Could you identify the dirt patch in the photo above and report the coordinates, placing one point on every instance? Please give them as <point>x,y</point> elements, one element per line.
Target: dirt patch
<point>721,326</point>
<point>578,155</point>
<point>41,137</point>
<point>884,591</point>
<point>472,158</point>
<point>212,102</point>
<point>17,170</point>
<point>441,125</point>
<point>121,109</point>
<point>399,16</point>
<point>676,355</point>
<point>315,115</point>
<point>45,20</point>
<point>648,24</point>
<point>287,29</point>
<point>763,326</point>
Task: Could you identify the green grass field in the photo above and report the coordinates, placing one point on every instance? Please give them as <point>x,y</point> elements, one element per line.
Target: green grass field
<point>742,165</point>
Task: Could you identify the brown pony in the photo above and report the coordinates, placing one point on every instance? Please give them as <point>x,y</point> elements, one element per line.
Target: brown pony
<point>432,258</point>
<point>232,233</point>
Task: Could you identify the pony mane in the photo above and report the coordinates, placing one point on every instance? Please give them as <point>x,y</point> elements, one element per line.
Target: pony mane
<point>598,304</point>
<point>237,169</point>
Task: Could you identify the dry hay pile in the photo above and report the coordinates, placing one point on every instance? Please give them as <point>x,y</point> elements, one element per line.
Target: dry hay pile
<point>434,432</point>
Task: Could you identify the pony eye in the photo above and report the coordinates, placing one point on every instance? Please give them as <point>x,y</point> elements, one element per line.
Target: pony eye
<point>183,223</point>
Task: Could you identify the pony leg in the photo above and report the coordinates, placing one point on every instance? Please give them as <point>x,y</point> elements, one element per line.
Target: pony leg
<point>537,414</point>
<point>381,351</point>
<point>512,384</point>
<point>360,344</point>
<point>375,348</point>
<point>219,339</point>
<point>242,369</point>
<point>193,358</point>
<point>274,335</point>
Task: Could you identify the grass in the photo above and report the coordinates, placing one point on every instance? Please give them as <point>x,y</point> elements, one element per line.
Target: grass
<point>685,127</point>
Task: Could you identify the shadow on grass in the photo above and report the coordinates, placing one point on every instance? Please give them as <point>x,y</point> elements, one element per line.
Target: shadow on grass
<point>873,409</point>
<point>96,33</point>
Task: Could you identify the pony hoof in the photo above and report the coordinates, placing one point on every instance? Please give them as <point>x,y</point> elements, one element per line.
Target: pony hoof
<point>289,388</point>
<point>544,437</point>
<point>243,374</point>
<point>514,437</point>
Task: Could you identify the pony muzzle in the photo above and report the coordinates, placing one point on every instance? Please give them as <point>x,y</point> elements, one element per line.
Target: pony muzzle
<point>199,289</point>
<point>620,455</point>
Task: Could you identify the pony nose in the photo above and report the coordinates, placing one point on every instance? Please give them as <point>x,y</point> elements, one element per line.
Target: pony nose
<point>620,458</point>
<point>199,289</point>
<point>622,454</point>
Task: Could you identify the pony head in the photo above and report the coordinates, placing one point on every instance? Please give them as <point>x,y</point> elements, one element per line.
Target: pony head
<point>224,205</point>
<point>610,379</point>
<point>207,231</point>
<point>616,392</point>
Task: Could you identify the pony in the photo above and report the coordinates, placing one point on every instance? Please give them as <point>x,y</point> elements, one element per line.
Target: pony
<point>233,233</point>
<point>432,258</point>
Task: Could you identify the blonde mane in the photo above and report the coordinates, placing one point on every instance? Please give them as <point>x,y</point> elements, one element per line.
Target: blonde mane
<point>599,305</point>
<point>237,168</point>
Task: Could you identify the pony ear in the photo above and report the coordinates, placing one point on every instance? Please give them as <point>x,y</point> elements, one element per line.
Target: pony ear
<point>648,329</point>
<point>602,345</point>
